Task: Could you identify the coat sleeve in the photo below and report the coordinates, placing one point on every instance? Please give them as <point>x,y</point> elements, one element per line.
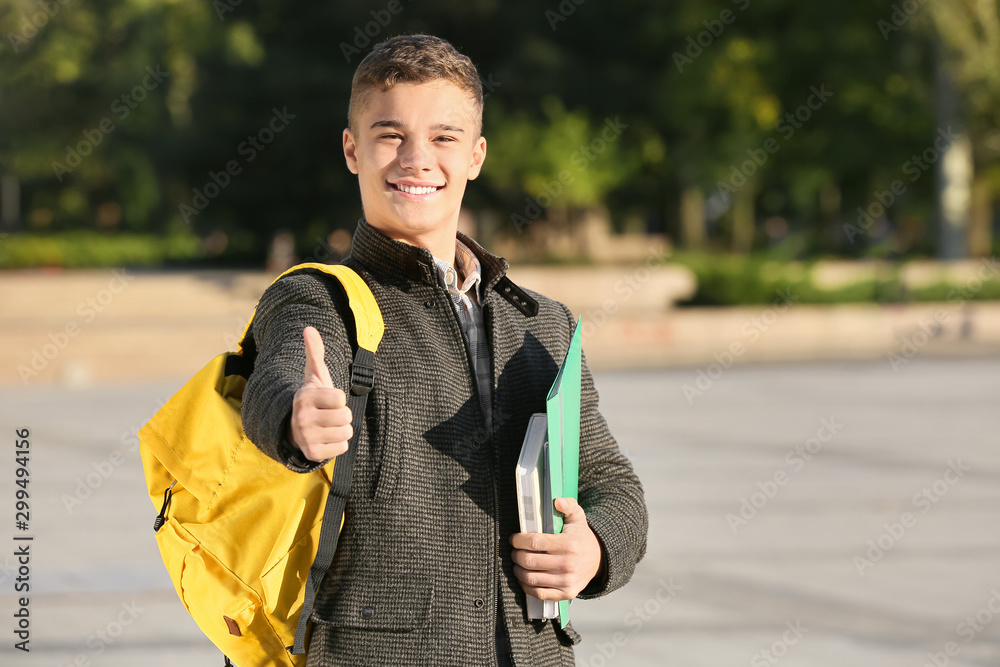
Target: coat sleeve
<point>610,493</point>
<point>285,309</point>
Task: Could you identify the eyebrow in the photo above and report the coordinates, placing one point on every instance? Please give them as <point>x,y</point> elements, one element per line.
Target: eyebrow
<point>398,125</point>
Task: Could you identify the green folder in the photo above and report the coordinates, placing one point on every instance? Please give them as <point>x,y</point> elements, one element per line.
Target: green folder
<point>562,408</point>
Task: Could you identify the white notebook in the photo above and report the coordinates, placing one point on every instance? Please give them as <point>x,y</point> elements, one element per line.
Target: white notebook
<point>534,494</point>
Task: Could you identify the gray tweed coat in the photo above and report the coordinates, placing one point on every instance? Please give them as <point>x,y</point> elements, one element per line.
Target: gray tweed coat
<point>425,547</point>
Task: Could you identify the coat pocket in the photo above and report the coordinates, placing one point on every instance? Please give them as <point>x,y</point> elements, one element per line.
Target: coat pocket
<point>385,444</point>
<point>379,603</point>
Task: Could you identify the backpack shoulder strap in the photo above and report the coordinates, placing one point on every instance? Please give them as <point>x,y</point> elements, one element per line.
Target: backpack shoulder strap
<point>367,316</point>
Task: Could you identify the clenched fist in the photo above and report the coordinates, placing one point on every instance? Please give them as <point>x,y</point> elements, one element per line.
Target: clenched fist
<point>321,421</point>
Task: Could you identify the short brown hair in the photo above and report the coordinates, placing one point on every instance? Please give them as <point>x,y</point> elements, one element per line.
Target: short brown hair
<point>414,59</point>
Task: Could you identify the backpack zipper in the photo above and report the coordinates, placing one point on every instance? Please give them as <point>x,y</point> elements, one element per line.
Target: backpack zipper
<point>161,518</point>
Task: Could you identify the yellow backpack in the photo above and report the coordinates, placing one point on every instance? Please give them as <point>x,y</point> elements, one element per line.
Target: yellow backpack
<point>239,533</point>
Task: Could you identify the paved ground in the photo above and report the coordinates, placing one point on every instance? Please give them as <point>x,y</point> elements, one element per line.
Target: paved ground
<point>711,591</point>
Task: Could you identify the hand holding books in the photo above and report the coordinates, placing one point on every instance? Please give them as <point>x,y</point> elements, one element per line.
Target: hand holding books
<point>558,567</point>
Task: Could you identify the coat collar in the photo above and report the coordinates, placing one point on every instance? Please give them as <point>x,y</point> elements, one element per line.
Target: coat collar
<point>383,255</point>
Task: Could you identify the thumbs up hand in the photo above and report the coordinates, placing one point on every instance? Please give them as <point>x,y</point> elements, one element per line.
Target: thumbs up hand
<point>321,421</point>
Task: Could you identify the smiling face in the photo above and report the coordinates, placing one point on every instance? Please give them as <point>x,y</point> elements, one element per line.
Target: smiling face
<point>414,149</point>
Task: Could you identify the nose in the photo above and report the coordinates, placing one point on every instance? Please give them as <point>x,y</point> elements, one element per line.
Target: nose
<point>414,155</point>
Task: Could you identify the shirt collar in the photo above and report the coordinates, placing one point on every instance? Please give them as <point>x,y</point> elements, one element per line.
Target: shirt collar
<point>468,267</point>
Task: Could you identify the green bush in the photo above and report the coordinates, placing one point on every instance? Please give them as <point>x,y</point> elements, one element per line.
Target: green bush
<point>88,249</point>
<point>728,280</point>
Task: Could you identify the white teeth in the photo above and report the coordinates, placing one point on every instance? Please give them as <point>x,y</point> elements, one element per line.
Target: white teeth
<point>417,191</point>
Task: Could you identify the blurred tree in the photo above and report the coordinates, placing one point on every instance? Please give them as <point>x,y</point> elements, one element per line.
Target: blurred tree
<point>712,114</point>
<point>565,164</point>
<point>969,97</point>
<point>801,125</point>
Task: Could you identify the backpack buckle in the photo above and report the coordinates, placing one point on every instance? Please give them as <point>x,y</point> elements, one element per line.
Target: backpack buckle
<point>362,372</point>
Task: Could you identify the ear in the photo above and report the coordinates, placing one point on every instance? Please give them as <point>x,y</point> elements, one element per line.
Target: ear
<point>478,157</point>
<point>350,151</point>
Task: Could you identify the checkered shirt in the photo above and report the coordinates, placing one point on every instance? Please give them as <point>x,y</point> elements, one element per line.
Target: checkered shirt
<point>466,300</point>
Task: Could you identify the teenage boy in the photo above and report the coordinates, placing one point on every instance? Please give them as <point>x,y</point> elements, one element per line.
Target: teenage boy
<point>430,568</point>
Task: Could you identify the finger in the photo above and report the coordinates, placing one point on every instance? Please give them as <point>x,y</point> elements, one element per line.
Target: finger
<point>532,541</point>
<point>326,398</point>
<point>329,435</point>
<point>550,585</point>
<point>539,562</point>
<point>323,452</point>
<point>341,417</point>
<point>572,512</point>
<point>545,593</point>
<point>316,372</point>
<point>555,594</point>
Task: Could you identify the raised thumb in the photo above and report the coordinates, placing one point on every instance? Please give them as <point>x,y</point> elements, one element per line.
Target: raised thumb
<point>317,374</point>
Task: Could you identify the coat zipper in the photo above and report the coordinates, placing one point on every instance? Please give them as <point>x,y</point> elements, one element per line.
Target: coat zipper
<point>496,495</point>
<point>487,315</point>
